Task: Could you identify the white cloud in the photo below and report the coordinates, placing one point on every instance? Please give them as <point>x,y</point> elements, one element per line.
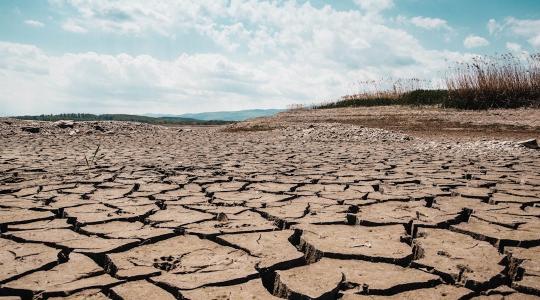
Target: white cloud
<point>430,23</point>
<point>474,41</point>
<point>284,52</point>
<point>518,50</point>
<point>494,27</point>
<point>523,28</point>
<point>115,83</point>
<point>514,47</point>
<point>374,6</point>
<point>138,17</point>
<point>529,29</point>
<point>72,26</point>
<point>34,23</point>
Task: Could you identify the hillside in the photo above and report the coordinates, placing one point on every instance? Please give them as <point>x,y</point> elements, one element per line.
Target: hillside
<point>239,115</point>
<point>123,117</point>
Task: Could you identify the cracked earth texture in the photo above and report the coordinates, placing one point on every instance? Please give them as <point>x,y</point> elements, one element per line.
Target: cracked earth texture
<point>115,210</point>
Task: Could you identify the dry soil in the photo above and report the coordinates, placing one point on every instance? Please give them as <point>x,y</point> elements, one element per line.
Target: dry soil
<point>330,204</point>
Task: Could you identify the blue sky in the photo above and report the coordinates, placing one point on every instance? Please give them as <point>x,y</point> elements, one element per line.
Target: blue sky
<point>177,56</point>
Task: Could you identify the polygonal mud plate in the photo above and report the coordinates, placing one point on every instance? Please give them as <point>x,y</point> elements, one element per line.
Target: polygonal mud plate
<point>243,222</point>
<point>18,258</point>
<point>185,262</point>
<point>72,240</point>
<point>79,273</point>
<point>177,216</point>
<point>525,269</point>
<point>403,213</point>
<point>250,290</point>
<point>325,277</point>
<point>273,248</point>
<point>500,236</point>
<point>141,289</point>
<point>458,257</point>
<point>381,244</point>
<point>126,230</point>
<point>442,291</point>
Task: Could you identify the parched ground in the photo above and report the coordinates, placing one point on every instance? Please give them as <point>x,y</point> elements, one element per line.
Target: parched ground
<point>305,205</point>
<point>427,121</point>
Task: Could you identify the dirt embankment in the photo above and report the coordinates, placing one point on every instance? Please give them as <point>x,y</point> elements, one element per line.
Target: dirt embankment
<point>430,122</point>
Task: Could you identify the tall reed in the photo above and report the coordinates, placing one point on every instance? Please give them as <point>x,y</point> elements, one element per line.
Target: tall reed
<point>501,81</point>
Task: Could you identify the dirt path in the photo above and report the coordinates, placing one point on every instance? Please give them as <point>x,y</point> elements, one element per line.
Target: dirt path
<point>277,208</point>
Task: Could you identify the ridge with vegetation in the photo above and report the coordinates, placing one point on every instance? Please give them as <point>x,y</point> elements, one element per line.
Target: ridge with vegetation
<point>123,117</point>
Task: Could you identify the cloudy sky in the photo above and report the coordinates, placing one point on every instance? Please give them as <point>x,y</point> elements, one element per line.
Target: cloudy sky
<point>178,56</point>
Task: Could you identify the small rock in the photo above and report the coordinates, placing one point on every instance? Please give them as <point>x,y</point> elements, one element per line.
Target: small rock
<point>222,217</point>
<point>31,129</point>
<point>531,144</point>
<point>64,124</point>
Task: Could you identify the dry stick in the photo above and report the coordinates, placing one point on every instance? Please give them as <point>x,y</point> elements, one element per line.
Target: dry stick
<point>93,157</point>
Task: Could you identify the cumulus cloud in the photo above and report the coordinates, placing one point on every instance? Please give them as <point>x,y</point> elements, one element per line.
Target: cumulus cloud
<point>494,27</point>
<point>374,6</point>
<point>430,23</point>
<point>474,41</point>
<point>529,29</point>
<point>524,28</point>
<point>284,52</point>
<point>138,17</point>
<point>119,83</point>
<point>34,23</point>
<point>72,26</point>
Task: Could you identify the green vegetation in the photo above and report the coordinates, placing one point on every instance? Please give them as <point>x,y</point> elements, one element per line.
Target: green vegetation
<point>413,98</point>
<point>123,117</point>
<point>503,81</point>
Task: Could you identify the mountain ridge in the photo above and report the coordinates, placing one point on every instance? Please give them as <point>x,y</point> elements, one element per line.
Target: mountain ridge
<point>238,115</point>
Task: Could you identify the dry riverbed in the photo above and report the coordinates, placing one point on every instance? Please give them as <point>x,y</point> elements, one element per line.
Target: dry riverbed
<point>323,204</point>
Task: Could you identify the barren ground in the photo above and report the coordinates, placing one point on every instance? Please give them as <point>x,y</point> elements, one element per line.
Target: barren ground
<point>305,205</point>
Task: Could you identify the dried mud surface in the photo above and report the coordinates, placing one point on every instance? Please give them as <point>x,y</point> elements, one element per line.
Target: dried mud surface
<point>284,207</point>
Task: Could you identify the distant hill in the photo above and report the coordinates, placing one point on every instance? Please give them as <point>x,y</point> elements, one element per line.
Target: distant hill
<point>123,117</point>
<point>239,115</point>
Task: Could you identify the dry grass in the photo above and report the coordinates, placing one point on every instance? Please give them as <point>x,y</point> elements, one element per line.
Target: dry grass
<point>375,93</point>
<point>386,89</point>
<point>503,81</point>
<point>383,93</point>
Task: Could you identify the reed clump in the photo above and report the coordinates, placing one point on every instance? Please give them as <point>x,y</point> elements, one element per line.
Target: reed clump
<point>485,82</point>
<point>503,81</point>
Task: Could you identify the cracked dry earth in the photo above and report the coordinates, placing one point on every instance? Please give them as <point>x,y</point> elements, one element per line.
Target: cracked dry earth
<point>308,211</point>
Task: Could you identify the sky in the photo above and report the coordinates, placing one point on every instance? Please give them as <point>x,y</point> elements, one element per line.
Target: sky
<point>183,56</point>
